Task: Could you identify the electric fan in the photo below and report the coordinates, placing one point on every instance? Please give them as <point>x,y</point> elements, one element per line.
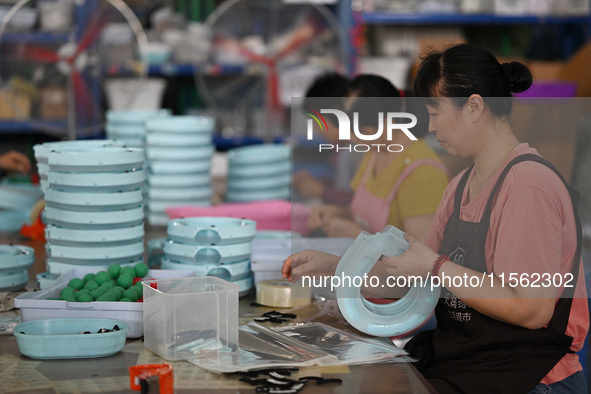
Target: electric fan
<point>103,42</point>
<point>264,52</point>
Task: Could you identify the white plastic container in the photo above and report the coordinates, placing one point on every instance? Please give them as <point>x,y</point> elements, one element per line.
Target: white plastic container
<point>190,318</point>
<point>35,305</point>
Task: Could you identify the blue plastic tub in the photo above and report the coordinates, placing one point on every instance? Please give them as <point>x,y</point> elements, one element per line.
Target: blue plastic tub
<point>63,338</point>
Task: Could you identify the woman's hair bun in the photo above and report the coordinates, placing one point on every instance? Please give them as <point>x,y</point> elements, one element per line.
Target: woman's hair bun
<point>518,76</point>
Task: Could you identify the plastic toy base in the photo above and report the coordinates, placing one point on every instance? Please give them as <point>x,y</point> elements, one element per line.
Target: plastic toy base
<point>266,153</point>
<point>186,180</point>
<point>16,258</point>
<point>94,220</point>
<point>13,281</point>
<point>77,237</point>
<point>385,320</point>
<point>211,230</point>
<point>230,272</point>
<point>259,170</point>
<point>93,201</point>
<point>223,254</point>
<point>96,255</point>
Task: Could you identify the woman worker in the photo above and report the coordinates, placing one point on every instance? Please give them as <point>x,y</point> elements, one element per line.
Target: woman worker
<point>510,215</point>
<point>399,188</point>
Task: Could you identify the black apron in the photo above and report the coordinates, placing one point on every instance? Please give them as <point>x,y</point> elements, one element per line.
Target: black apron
<point>469,352</point>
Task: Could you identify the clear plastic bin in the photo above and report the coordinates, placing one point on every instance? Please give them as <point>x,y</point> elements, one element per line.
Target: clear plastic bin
<point>190,318</point>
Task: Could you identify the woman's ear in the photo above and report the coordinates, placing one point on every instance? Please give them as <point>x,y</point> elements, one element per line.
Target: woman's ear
<point>476,106</point>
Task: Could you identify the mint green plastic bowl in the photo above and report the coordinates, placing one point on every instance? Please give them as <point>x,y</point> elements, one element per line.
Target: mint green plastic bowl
<point>62,338</point>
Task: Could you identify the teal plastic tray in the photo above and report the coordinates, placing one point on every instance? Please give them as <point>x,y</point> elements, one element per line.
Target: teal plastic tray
<point>211,230</point>
<point>179,153</point>
<point>62,338</point>
<point>230,272</point>
<point>259,170</point>
<point>224,254</point>
<point>42,150</point>
<point>16,258</point>
<point>186,180</point>
<point>257,154</point>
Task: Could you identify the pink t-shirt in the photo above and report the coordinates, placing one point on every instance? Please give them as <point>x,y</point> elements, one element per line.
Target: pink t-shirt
<point>532,230</point>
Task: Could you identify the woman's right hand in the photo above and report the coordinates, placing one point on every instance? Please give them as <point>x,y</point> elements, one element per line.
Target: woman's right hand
<point>14,161</point>
<point>322,213</point>
<point>311,263</point>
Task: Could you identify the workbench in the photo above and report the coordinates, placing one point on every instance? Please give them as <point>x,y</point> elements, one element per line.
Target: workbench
<point>110,374</point>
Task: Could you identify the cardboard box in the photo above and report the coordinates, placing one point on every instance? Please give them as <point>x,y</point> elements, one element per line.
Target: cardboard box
<point>14,105</point>
<point>53,103</point>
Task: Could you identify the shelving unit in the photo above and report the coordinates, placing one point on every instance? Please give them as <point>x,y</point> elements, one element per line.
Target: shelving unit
<point>37,56</point>
<point>179,74</point>
<point>26,127</point>
<point>568,28</point>
<point>470,19</point>
<point>37,37</point>
<point>188,70</point>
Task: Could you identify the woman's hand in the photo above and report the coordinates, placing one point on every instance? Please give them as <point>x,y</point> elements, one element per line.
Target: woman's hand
<point>322,213</point>
<point>529,307</point>
<point>309,263</point>
<point>14,161</point>
<point>418,260</point>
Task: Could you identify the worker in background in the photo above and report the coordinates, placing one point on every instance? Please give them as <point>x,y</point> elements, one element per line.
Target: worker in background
<point>403,188</point>
<point>332,88</point>
<point>510,215</point>
<point>13,161</point>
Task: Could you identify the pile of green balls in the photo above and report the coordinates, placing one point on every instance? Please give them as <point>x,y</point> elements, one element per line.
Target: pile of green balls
<point>115,284</point>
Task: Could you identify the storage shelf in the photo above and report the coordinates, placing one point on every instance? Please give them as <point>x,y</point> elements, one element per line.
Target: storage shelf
<point>468,19</point>
<point>39,37</point>
<point>171,69</point>
<point>25,126</point>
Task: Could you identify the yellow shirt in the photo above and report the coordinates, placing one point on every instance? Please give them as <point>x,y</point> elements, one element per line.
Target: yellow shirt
<point>418,195</point>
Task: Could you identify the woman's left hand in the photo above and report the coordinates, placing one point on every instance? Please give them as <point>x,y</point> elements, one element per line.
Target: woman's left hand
<point>418,260</point>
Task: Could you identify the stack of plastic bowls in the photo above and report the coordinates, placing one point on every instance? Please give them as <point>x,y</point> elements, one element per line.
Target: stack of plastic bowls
<point>15,261</point>
<point>43,150</point>
<point>129,126</point>
<point>212,246</point>
<point>259,172</point>
<point>178,153</point>
<point>94,206</point>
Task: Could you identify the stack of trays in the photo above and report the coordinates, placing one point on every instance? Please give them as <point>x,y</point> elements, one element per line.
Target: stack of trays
<point>178,153</point>
<point>212,246</point>
<point>42,152</point>
<point>15,261</point>
<point>259,172</point>
<point>94,206</point>
<point>129,126</point>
